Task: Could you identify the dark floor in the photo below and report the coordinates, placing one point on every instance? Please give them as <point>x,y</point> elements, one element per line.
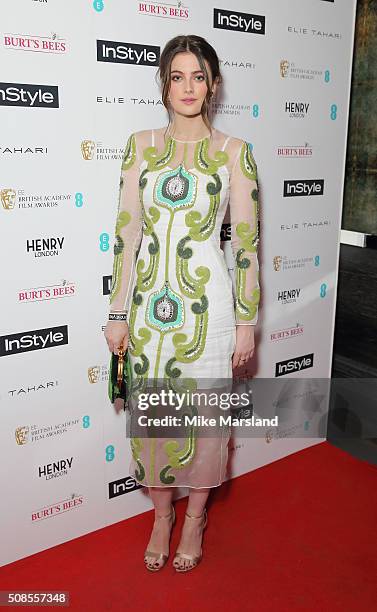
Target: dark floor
<point>353,405</point>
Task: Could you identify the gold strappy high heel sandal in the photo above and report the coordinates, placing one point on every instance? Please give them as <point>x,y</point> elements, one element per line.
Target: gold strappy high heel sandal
<point>195,559</point>
<point>156,565</point>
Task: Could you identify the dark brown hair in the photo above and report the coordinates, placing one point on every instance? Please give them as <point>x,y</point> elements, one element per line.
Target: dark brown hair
<point>203,51</point>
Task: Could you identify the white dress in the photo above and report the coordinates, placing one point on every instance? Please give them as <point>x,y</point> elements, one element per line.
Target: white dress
<point>171,278</point>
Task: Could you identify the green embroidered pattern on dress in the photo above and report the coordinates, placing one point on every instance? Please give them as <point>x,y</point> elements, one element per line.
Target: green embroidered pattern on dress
<point>246,306</point>
<point>123,218</point>
<point>156,161</point>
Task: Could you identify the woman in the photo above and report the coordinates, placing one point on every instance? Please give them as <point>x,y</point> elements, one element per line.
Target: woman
<point>171,301</point>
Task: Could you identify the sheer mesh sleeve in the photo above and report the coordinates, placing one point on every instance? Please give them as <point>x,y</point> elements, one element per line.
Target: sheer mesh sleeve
<point>128,230</point>
<point>244,218</point>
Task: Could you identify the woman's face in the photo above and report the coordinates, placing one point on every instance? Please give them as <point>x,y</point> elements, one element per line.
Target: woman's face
<point>188,87</point>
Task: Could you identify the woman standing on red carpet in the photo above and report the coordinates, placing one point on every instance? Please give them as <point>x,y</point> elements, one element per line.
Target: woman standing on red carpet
<point>172,300</point>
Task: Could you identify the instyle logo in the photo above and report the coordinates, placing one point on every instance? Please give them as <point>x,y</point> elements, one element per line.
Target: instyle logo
<point>127,53</point>
<point>22,342</point>
<point>303,187</point>
<point>122,486</point>
<point>106,285</point>
<point>295,364</point>
<point>28,95</point>
<point>240,22</point>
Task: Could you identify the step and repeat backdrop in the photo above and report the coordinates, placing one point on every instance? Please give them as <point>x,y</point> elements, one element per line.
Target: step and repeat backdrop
<point>77,77</point>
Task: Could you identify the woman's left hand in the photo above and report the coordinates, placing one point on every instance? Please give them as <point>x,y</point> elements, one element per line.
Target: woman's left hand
<point>245,345</point>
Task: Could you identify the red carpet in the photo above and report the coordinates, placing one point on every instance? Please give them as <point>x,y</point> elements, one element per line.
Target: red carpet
<point>298,534</point>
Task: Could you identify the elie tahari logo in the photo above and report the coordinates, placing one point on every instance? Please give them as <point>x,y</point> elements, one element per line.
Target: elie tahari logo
<point>31,96</point>
<point>295,364</point>
<point>241,22</point>
<point>22,342</point>
<point>303,187</point>
<point>127,53</point>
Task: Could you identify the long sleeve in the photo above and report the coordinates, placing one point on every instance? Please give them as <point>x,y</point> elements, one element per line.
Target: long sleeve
<point>244,218</point>
<point>128,230</point>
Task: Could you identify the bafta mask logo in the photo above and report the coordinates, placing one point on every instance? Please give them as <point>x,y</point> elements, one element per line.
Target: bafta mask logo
<point>269,436</point>
<point>8,198</point>
<point>277,262</point>
<point>87,149</point>
<point>93,374</point>
<point>22,435</point>
<point>284,68</point>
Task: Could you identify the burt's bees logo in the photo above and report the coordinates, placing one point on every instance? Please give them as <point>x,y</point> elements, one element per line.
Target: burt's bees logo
<point>87,149</point>
<point>8,198</point>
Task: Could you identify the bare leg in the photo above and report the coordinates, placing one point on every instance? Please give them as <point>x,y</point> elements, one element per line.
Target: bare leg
<point>192,531</point>
<point>159,540</point>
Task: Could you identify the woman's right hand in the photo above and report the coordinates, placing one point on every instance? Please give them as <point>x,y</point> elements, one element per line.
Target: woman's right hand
<point>116,333</point>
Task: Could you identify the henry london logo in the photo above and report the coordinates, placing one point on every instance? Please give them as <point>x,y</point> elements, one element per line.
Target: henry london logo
<point>122,486</point>
<point>289,70</point>
<point>289,296</point>
<point>289,332</point>
<point>65,505</point>
<point>176,10</point>
<point>45,247</point>
<point>295,364</point>
<point>96,150</point>
<point>303,187</point>
<point>55,469</point>
<point>10,199</point>
<point>298,151</point>
<point>127,53</point>
<point>28,434</point>
<point>29,95</point>
<point>240,22</point>
<point>98,373</point>
<point>282,263</point>
<point>39,44</point>
<point>22,342</point>
<point>297,110</point>
<point>49,292</point>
